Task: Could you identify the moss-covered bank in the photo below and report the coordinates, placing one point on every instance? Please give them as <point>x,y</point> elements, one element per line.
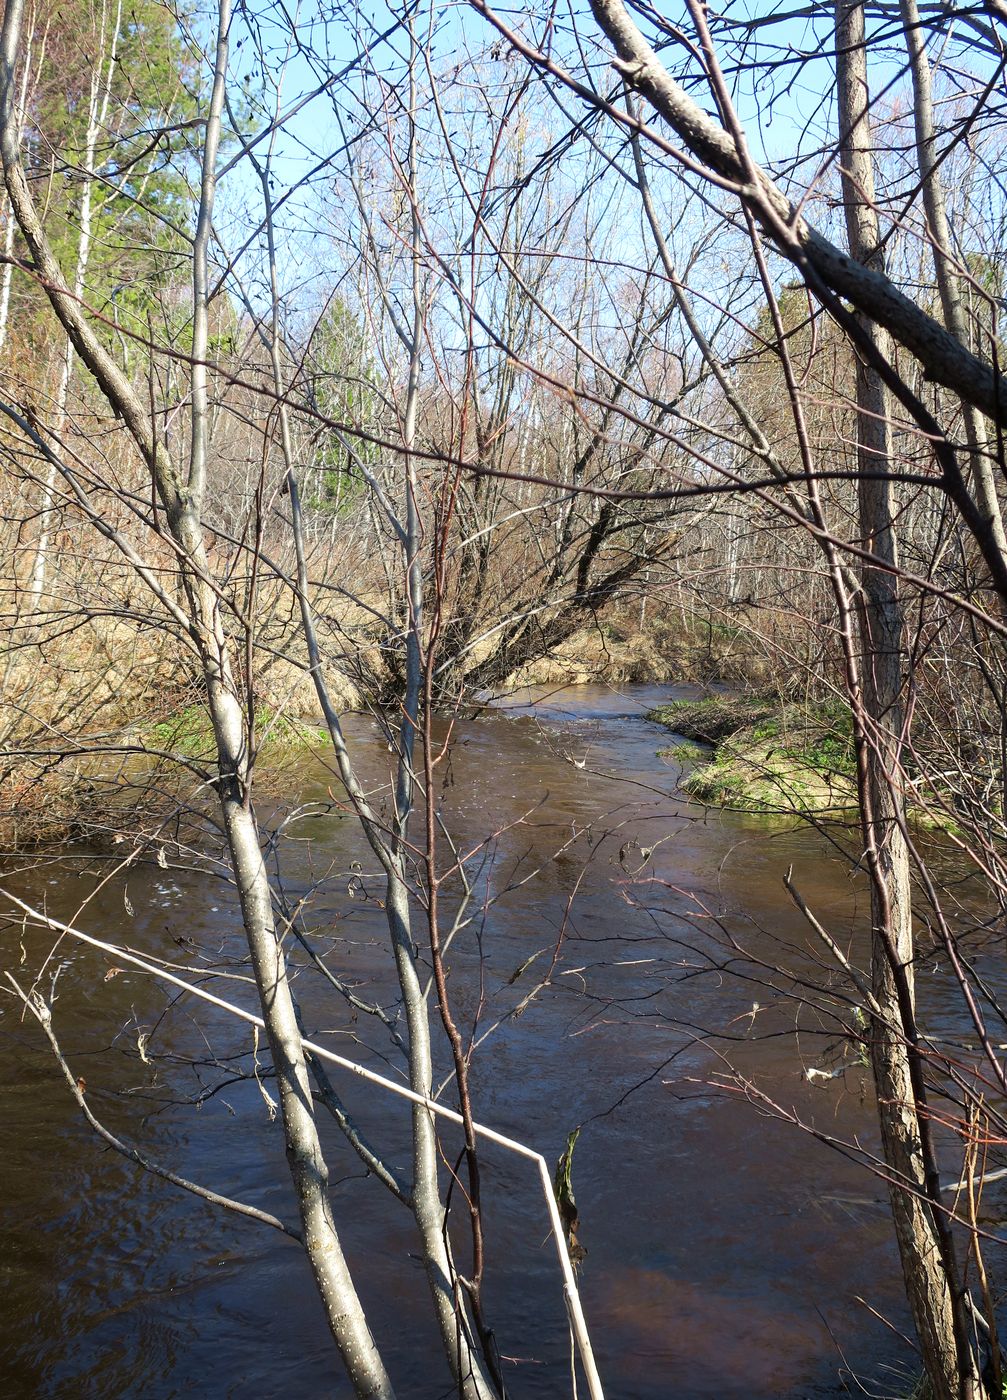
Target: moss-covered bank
<point>764,756</point>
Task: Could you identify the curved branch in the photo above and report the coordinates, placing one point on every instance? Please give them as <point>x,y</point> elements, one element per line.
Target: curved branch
<point>43,1015</point>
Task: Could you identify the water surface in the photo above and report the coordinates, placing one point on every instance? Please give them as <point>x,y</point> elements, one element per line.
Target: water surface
<point>726,1250</point>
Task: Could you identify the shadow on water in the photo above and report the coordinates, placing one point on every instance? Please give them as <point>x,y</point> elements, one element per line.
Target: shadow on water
<point>725,1250</point>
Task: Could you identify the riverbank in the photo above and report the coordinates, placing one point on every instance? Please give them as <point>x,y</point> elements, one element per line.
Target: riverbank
<point>620,651</point>
<point>85,717</point>
<point>757,755</point>
<point>132,762</point>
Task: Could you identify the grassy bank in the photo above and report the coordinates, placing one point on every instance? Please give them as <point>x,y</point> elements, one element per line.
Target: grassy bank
<point>755,755</point>
<point>618,649</point>
<point>133,773</point>
<point>187,733</point>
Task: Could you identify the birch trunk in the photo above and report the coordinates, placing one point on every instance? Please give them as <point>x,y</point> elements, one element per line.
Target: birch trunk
<point>97,112</point>
<point>949,280</point>
<point>10,223</point>
<point>181,498</point>
<point>925,1245</point>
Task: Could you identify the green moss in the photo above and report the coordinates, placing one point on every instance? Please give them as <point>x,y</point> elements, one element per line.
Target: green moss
<point>768,757</point>
<point>687,752</point>
<point>751,782</point>
<point>767,729</point>
<point>713,719</point>
<point>187,732</point>
<point>277,730</point>
<point>721,786</point>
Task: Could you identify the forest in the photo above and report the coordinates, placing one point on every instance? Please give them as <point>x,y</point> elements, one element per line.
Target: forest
<point>503,699</point>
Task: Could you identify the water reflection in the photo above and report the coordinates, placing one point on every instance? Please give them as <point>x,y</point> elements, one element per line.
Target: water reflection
<point>725,1250</point>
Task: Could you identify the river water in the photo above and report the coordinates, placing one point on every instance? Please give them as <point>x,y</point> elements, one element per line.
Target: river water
<point>726,1250</point>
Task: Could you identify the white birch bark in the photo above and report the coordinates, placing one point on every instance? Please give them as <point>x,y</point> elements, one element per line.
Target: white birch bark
<point>181,498</point>
<point>949,279</point>
<point>97,111</point>
<point>10,223</point>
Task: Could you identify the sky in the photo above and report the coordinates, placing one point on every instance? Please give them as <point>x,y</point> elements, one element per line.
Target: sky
<point>777,59</point>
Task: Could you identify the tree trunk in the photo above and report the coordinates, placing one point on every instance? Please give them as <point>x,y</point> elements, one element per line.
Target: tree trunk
<point>949,280</point>
<point>925,1245</point>
<point>181,499</point>
<point>97,111</point>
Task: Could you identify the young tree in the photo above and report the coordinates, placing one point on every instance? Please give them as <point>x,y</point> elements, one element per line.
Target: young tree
<point>883,327</point>
<point>181,492</point>
<point>201,596</point>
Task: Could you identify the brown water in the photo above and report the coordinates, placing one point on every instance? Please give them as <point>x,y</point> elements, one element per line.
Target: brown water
<point>725,1249</point>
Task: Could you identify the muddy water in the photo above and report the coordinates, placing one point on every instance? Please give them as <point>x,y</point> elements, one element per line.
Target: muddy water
<point>725,1249</point>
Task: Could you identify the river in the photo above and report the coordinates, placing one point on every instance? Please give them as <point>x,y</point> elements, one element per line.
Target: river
<point>725,1250</point>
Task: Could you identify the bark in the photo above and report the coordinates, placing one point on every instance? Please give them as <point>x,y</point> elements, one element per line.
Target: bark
<point>949,280</point>
<point>425,1199</point>
<point>10,223</point>
<point>944,359</point>
<point>925,1245</point>
<point>471,1378</point>
<point>181,502</point>
<point>97,112</point>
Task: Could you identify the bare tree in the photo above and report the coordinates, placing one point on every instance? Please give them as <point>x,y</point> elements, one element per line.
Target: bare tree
<point>870,610</point>
<point>181,495</point>
<point>576,369</point>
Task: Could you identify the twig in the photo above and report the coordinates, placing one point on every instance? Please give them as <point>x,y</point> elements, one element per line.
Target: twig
<point>43,1015</point>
